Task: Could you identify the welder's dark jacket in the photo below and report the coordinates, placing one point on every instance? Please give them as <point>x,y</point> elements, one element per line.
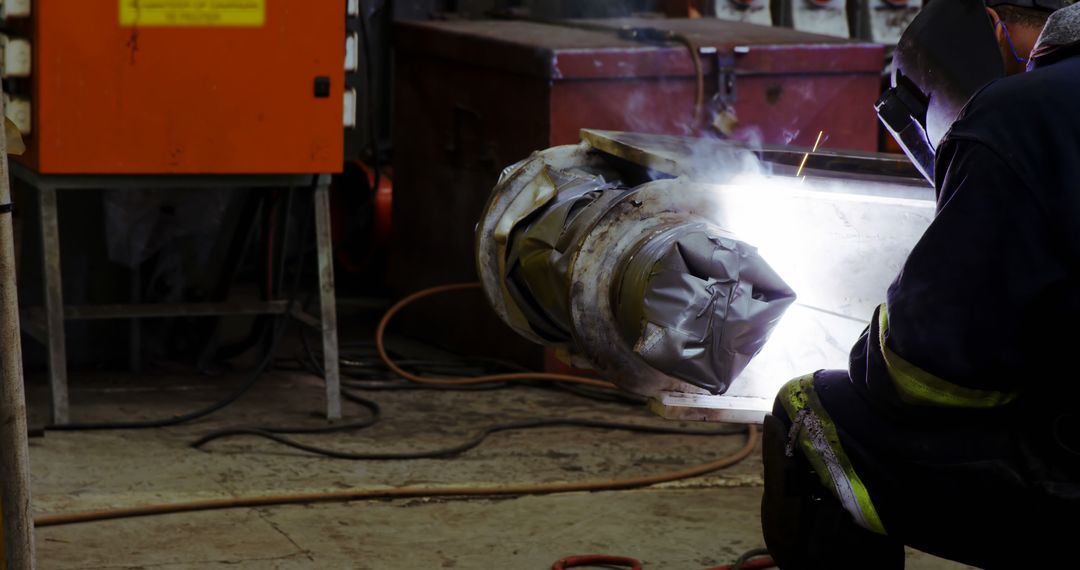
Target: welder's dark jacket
<point>962,402</point>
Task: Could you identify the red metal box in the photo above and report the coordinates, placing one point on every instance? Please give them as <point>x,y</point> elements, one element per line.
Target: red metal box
<point>472,97</point>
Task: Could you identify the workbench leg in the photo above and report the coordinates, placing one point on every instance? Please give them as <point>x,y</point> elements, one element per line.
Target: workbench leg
<point>16,510</point>
<point>54,303</point>
<point>135,325</point>
<point>327,301</point>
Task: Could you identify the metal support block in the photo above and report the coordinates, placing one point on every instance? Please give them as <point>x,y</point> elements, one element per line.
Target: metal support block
<point>326,298</point>
<point>160,310</point>
<point>54,303</point>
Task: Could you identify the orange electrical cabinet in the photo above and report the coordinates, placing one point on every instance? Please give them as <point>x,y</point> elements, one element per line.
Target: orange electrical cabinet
<point>185,86</point>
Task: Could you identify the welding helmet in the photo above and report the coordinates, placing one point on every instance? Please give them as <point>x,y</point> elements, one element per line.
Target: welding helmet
<point>1048,5</point>
<point>947,54</point>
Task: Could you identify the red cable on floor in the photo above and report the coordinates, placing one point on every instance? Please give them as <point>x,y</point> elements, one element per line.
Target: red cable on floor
<point>596,560</point>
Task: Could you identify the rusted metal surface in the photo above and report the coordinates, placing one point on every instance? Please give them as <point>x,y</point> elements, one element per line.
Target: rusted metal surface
<point>782,108</point>
<point>791,85</point>
<point>474,96</point>
<point>16,514</point>
<point>698,158</point>
<point>655,206</point>
<point>464,124</point>
<point>567,53</point>
<point>491,252</point>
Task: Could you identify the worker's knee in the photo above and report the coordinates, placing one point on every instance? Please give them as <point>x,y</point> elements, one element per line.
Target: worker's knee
<point>803,523</point>
<point>791,397</point>
<point>785,396</point>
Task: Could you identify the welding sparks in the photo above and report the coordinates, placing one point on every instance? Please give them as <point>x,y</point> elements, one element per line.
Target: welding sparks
<point>807,155</point>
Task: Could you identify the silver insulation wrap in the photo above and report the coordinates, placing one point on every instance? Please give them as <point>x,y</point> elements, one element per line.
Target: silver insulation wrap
<point>685,300</point>
<point>698,304</point>
<point>540,248</point>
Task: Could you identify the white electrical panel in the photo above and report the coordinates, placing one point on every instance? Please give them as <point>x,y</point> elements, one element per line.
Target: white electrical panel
<point>352,52</point>
<point>18,109</point>
<point>350,108</point>
<point>15,8</point>
<point>751,11</point>
<point>15,57</point>
<point>827,17</point>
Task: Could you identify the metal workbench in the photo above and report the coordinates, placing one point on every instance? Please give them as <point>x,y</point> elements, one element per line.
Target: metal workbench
<point>46,324</point>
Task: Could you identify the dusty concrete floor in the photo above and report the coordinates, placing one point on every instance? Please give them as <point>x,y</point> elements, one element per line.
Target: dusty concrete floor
<point>683,526</point>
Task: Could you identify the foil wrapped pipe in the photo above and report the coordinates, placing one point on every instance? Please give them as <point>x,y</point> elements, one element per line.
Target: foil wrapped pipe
<point>638,283</point>
<point>698,304</point>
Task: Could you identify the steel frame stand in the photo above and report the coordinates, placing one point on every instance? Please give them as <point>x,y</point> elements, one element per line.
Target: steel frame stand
<point>47,326</point>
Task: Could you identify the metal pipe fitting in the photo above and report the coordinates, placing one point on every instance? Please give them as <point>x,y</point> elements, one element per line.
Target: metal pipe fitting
<point>636,281</point>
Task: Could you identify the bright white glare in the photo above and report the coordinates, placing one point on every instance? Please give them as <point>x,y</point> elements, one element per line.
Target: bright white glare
<point>838,244</point>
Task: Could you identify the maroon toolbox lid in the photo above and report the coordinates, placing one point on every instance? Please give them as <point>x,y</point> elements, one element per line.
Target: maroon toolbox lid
<point>562,52</point>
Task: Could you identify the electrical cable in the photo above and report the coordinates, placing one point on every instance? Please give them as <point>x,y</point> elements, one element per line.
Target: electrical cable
<point>190,416</point>
<point>278,285</point>
<point>369,78</point>
<point>377,372</point>
<point>275,434</point>
<point>597,560</point>
<point>745,562</point>
<point>456,449</point>
<point>752,438</point>
<point>281,326</point>
<point>375,379</point>
<point>271,266</point>
<point>380,346</point>
<point>699,75</point>
<point>229,269</point>
<point>407,491</point>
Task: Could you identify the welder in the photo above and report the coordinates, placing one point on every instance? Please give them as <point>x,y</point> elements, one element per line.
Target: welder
<point>956,428</point>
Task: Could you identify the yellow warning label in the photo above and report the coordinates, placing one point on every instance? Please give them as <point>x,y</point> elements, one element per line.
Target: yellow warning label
<point>193,13</point>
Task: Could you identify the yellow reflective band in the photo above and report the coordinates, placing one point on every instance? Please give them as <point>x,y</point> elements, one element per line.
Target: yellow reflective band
<point>917,386</point>
<point>816,435</point>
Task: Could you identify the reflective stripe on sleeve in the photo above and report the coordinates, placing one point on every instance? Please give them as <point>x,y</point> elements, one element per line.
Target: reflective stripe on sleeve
<point>917,386</point>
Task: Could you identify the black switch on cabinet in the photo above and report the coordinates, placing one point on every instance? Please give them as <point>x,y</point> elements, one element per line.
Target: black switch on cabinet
<point>322,87</point>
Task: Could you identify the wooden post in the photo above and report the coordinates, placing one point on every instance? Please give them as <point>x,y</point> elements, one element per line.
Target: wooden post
<point>17,528</point>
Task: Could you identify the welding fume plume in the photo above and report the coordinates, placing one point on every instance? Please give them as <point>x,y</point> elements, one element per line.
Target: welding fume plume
<point>631,278</point>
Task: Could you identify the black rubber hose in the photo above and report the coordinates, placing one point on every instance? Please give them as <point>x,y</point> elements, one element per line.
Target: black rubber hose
<point>456,449</point>
<point>748,556</point>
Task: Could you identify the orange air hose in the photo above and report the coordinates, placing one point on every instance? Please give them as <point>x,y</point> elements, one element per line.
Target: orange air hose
<point>404,492</point>
<point>748,447</point>
<point>380,345</point>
